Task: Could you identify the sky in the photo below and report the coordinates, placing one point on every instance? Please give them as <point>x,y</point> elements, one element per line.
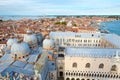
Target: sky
<point>59,7</point>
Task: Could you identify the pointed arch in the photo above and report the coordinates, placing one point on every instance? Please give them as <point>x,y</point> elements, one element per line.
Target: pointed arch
<point>74,65</point>
<point>101,66</point>
<point>87,65</point>
<point>114,68</point>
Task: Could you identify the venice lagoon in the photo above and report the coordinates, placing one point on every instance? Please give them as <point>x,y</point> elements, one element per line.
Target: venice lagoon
<point>112,26</point>
<point>19,17</point>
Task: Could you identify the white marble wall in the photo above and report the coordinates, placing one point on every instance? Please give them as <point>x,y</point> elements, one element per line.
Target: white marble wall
<point>93,69</point>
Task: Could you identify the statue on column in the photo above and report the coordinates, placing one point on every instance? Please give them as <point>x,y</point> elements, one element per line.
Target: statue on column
<point>21,76</point>
<point>36,75</point>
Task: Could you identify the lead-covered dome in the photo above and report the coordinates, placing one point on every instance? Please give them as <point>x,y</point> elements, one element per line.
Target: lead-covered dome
<point>48,44</point>
<point>39,37</point>
<point>31,39</point>
<point>20,50</point>
<point>10,42</point>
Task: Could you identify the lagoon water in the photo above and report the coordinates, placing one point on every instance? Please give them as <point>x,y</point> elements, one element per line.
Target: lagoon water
<point>112,26</point>
<point>19,17</point>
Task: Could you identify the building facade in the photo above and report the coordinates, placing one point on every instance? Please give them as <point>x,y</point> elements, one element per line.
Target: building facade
<point>87,56</point>
<point>86,40</point>
<point>92,64</point>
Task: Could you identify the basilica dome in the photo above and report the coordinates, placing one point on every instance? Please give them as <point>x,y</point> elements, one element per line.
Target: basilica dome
<point>39,37</point>
<point>20,50</point>
<point>10,42</point>
<point>48,44</point>
<point>30,38</point>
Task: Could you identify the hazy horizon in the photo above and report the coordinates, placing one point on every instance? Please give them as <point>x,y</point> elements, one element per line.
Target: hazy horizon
<point>59,7</point>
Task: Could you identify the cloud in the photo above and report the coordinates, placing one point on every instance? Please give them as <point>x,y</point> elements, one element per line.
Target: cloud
<point>38,7</point>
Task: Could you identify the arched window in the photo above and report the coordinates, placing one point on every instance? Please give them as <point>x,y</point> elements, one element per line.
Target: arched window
<point>117,76</point>
<point>74,65</point>
<point>114,68</point>
<point>61,74</point>
<point>60,67</point>
<point>73,79</point>
<point>67,78</point>
<point>103,75</point>
<point>101,65</point>
<point>76,74</point>
<point>77,79</point>
<point>96,45</point>
<point>92,35</point>
<point>87,65</point>
<point>71,74</point>
<point>82,79</point>
<point>66,73</point>
<point>60,55</point>
<point>19,57</point>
